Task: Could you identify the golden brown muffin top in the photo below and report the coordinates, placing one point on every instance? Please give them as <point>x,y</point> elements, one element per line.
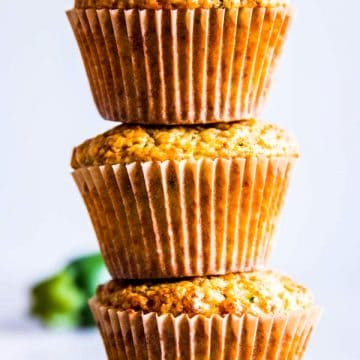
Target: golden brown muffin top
<point>129,143</point>
<point>176,4</point>
<point>255,293</point>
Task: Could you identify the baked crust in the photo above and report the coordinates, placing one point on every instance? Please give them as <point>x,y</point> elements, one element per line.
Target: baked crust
<point>176,4</point>
<point>255,293</point>
<point>130,143</point>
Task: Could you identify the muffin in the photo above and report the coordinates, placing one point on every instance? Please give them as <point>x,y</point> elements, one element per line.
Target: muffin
<point>180,62</point>
<point>185,201</point>
<point>259,315</point>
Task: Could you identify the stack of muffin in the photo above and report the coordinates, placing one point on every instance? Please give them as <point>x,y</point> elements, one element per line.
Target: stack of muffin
<point>185,195</point>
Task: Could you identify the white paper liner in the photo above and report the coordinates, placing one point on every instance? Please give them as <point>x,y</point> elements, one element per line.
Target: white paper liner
<point>138,336</point>
<point>180,66</point>
<point>185,218</point>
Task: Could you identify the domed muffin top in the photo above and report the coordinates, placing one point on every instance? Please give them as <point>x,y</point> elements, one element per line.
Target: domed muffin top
<point>255,293</point>
<point>129,143</point>
<point>176,4</point>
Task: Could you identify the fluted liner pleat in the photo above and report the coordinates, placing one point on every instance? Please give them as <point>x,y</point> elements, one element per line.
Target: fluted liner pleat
<point>180,66</point>
<point>185,218</point>
<point>138,336</point>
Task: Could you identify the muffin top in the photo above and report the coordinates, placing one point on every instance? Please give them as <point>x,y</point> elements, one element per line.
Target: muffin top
<point>256,293</point>
<point>176,4</point>
<point>129,143</point>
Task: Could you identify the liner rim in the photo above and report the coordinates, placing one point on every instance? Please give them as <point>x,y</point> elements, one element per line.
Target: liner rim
<point>317,309</point>
<point>258,157</point>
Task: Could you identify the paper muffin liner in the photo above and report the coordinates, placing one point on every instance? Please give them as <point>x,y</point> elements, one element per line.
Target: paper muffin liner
<point>180,66</point>
<point>185,218</point>
<point>134,335</point>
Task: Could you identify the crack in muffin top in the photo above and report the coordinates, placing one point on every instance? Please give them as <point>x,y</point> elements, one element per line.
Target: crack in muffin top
<point>177,4</point>
<point>255,293</point>
<point>125,144</point>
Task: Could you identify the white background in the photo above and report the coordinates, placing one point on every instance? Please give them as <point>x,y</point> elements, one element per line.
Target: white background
<point>46,108</point>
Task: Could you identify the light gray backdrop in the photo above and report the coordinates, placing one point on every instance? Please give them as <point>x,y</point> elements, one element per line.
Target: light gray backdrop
<point>46,108</point>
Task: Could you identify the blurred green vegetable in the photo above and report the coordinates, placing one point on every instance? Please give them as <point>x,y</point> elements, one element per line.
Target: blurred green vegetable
<point>61,300</point>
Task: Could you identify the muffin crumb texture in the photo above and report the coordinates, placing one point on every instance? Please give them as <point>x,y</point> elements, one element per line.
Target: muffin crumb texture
<point>130,143</point>
<point>177,4</point>
<point>255,293</point>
